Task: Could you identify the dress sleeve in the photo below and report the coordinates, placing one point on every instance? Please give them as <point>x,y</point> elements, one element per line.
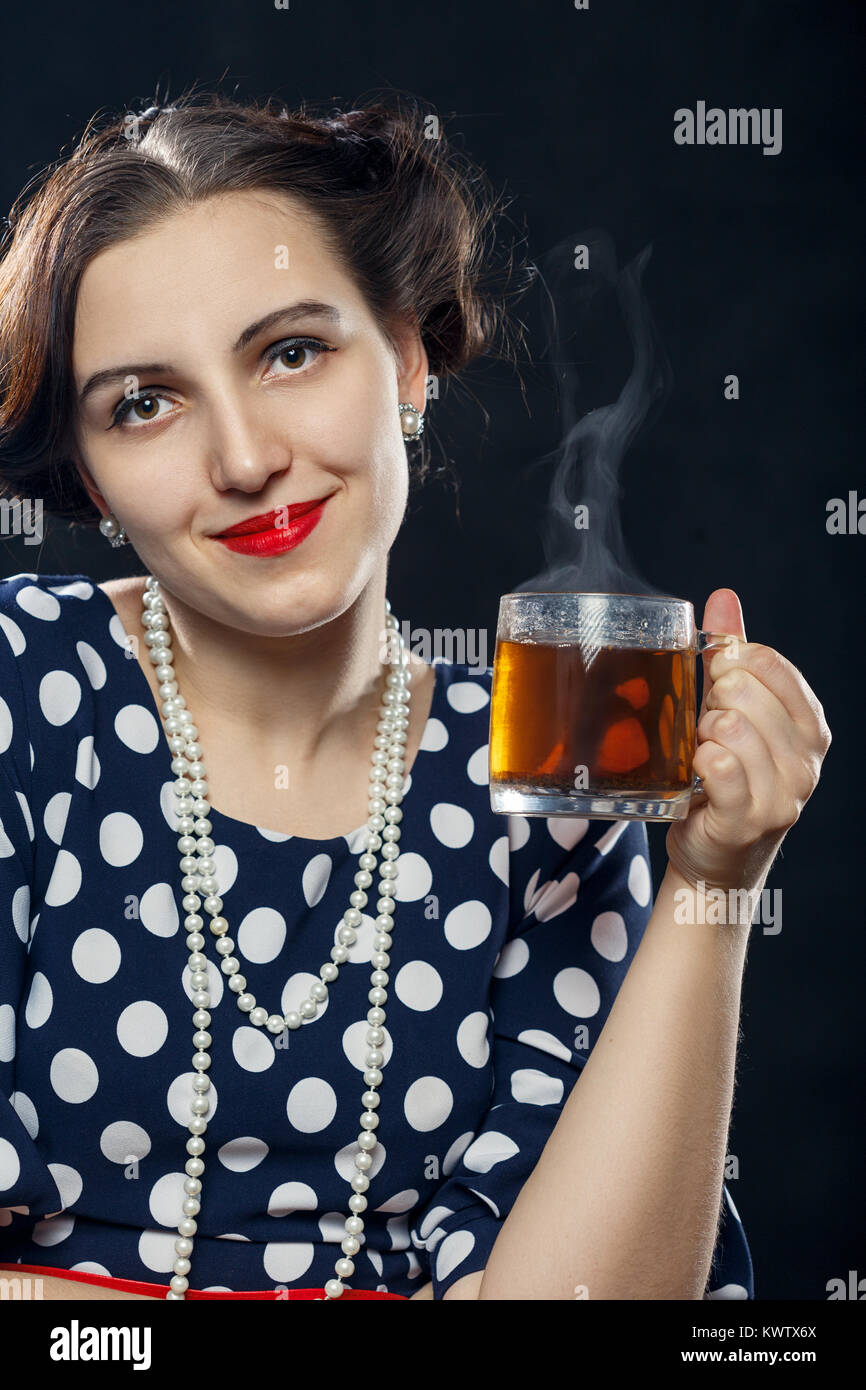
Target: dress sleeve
<point>580,898</point>
<point>28,1191</point>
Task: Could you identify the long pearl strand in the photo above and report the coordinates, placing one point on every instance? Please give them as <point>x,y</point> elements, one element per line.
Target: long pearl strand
<point>386,793</point>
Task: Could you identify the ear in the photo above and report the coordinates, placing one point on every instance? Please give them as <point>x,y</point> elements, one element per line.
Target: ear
<point>89,484</point>
<point>411,365</point>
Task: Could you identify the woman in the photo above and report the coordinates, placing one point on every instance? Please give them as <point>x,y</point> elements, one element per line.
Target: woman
<point>216,317</point>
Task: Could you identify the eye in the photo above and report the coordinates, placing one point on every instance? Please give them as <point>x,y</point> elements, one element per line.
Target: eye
<point>295,354</point>
<point>144,404</point>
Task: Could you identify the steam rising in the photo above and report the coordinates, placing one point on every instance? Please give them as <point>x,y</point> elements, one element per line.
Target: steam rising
<point>587,462</point>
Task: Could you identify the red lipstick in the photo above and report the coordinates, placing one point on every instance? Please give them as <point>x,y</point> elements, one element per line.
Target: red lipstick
<point>260,535</point>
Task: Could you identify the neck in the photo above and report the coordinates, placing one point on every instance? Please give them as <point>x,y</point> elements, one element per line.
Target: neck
<point>308,694</point>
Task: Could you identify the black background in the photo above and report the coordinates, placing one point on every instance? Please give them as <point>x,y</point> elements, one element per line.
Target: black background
<point>756,269</point>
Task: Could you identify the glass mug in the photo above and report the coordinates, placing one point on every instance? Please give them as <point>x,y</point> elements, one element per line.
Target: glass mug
<point>593,705</point>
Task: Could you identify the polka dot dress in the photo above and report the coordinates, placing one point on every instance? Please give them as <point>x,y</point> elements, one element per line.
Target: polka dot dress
<point>512,936</point>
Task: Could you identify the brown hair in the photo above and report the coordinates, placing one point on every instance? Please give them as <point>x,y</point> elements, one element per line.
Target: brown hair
<point>412,219</point>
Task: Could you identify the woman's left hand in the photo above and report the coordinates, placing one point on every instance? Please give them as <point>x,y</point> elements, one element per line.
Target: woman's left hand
<point>761,739</point>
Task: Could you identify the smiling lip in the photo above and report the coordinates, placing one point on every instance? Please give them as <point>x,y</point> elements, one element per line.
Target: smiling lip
<point>266,521</point>
<point>304,517</point>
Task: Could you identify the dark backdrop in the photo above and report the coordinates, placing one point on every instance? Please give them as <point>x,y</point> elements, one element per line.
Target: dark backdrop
<point>756,270</point>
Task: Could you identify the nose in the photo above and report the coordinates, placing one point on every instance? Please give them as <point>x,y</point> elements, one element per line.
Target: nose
<point>244,445</point>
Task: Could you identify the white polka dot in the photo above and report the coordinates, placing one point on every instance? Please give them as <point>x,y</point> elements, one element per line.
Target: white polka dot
<point>536,1087</point>
<point>467,696</point>
<point>65,880</point>
<point>315,878</point>
<point>414,878</point>
<point>567,830</point>
<point>136,727</point>
<point>157,910</point>
<point>468,924</point>
<point>430,1230</point>
<point>518,832</point>
<point>545,1042</point>
<point>120,839</point>
<point>489,1148</point>
<point>296,990</point>
<point>124,1142</point>
<point>452,825</point>
<point>456,1152</point>
<point>499,860</point>
<point>609,935</point>
<point>453,1251</point>
<point>69,1183</point>
<point>21,912</point>
<point>356,1047</point>
<point>59,697</point>
<point>241,1155</point>
<point>286,1260</point>
<point>142,1028</point>
<point>605,843</point>
<point>73,1074</point>
<point>7,1032</point>
<point>38,603</point>
<point>375,1260</point>
<point>478,767</point>
<point>166,1199</point>
<point>14,635</point>
<point>56,815</point>
<point>253,1049</point>
<point>435,736</point>
<point>487,1201</point>
<point>96,955</point>
<point>261,935</point>
<point>292,1196</point>
<point>39,1001</point>
<point>311,1105</point>
<point>556,897</point>
<point>472,1041</point>
<point>639,881</point>
<point>428,1103</point>
<point>91,1267</point>
<point>576,991</point>
<point>730,1201</point>
<point>10,1165</point>
<point>156,1250</point>
<point>26,1112</point>
<point>512,958</point>
<point>6,725</point>
<point>401,1201</point>
<point>87,765</point>
<point>729,1291</point>
<point>93,664</point>
<point>179,1095</point>
<point>52,1231</point>
<point>418,985</point>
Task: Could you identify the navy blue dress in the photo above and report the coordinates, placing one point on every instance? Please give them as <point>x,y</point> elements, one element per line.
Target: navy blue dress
<point>512,936</point>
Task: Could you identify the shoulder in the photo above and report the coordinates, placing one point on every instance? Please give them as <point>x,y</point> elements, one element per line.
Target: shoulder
<point>41,617</point>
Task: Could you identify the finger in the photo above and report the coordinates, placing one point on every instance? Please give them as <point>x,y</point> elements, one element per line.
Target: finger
<point>722,613</point>
<point>724,778</point>
<point>767,805</point>
<point>786,682</point>
<point>792,754</point>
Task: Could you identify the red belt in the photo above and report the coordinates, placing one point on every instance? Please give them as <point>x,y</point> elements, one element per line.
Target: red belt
<point>160,1290</point>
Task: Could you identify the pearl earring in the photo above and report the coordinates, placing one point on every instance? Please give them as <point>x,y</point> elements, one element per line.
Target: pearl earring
<point>411,421</point>
<point>112,530</point>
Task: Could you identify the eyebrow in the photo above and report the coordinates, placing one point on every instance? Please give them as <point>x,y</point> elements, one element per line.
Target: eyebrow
<point>290,313</point>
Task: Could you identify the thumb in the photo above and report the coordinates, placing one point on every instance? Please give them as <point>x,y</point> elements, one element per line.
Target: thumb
<point>722,613</point>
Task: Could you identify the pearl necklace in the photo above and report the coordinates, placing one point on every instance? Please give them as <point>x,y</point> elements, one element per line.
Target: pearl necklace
<point>191,808</point>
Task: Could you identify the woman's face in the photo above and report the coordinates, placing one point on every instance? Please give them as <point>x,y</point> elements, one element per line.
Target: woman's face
<point>213,416</point>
